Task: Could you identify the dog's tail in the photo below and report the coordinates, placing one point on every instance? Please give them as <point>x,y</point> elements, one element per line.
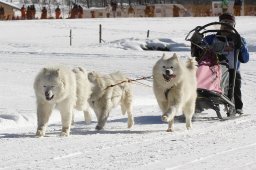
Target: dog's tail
<point>77,69</point>
<point>191,63</point>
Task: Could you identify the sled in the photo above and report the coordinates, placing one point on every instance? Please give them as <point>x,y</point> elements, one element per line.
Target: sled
<point>215,80</point>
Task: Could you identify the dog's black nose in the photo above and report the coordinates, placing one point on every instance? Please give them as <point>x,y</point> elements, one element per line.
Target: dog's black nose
<point>47,93</point>
<point>167,72</point>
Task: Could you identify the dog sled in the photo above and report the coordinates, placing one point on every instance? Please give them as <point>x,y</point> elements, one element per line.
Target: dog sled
<point>216,81</point>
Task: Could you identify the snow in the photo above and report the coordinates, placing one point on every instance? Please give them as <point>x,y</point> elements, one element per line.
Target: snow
<point>27,46</point>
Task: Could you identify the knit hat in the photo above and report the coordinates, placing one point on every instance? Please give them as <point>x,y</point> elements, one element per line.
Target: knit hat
<point>227,18</point>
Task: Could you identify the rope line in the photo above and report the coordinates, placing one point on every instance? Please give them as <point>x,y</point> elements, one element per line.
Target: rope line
<point>130,81</point>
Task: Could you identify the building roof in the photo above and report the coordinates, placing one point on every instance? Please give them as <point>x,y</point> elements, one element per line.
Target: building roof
<point>10,4</point>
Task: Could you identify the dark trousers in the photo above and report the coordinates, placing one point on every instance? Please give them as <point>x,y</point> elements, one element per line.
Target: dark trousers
<point>238,94</point>
<point>237,90</point>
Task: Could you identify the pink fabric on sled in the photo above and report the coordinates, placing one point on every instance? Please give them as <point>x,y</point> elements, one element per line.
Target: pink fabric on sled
<point>209,75</point>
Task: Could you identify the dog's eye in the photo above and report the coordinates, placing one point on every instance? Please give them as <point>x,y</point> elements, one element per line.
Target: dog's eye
<point>171,67</point>
<point>164,67</point>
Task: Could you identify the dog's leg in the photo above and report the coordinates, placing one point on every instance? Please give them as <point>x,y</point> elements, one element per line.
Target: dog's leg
<point>73,118</point>
<point>123,109</point>
<point>102,121</point>
<point>43,113</point>
<point>163,106</point>
<point>66,118</point>
<point>66,111</point>
<point>130,120</point>
<point>130,117</point>
<point>87,117</point>
<point>169,117</point>
<point>170,126</point>
<point>189,110</point>
<point>127,104</point>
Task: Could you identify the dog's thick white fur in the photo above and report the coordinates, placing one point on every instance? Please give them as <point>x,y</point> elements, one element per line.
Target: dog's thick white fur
<point>83,93</point>
<point>109,91</point>
<point>174,85</point>
<point>56,87</point>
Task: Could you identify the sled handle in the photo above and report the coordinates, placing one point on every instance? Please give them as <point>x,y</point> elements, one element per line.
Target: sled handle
<point>201,30</point>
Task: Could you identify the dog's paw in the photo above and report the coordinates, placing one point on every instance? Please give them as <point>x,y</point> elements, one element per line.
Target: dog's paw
<point>130,124</point>
<point>165,118</point>
<point>40,133</point>
<point>130,121</point>
<point>189,127</point>
<point>169,130</point>
<point>98,127</point>
<point>64,134</point>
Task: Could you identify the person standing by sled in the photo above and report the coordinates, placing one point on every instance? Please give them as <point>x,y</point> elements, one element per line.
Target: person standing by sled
<point>228,52</point>
<point>224,6</point>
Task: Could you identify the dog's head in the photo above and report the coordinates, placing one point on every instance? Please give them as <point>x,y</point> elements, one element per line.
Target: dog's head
<point>50,84</point>
<point>167,68</point>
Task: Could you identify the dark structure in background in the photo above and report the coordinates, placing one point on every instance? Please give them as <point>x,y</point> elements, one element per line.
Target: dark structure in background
<point>197,7</point>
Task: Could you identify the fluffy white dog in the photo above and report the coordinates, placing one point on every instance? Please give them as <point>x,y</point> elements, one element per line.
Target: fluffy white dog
<point>57,87</point>
<point>174,85</point>
<point>83,93</point>
<point>109,91</point>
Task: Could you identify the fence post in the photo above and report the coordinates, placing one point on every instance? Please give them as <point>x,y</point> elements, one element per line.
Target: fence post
<point>148,34</point>
<point>70,37</point>
<point>100,34</point>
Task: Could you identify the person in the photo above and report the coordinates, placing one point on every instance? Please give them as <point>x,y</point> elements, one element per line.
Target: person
<point>237,7</point>
<point>74,11</point>
<point>33,11</point>
<point>29,12</point>
<point>176,11</point>
<point>23,12</point>
<point>131,11</point>
<point>57,12</point>
<point>1,13</point>
<point>147,11</point>
<point>228,53</point>
<point>113,4</point>
<point>44,13</point>
<point>224,6</point>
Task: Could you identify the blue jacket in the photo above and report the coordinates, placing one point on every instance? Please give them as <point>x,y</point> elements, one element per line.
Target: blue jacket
<point>243,56</point>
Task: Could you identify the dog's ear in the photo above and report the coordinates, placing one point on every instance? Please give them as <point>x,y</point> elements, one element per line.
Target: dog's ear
<point>57,72</point>
<point>164,57</point>
<point>175,56</point>
<point>91,76</point>
<point>45,70</point>
<point>81,69</point>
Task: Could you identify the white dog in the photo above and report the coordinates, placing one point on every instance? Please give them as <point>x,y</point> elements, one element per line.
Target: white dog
<point>174,85</point>
<point>56,87</point>
<point>108,92</point>
<point>83,93</point>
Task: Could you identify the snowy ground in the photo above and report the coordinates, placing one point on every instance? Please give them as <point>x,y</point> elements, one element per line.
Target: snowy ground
<point>27,46</point>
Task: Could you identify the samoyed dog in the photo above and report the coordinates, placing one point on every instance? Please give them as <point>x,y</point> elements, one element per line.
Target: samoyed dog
<point>109,91</point>
<point>83,93</point>
<point>58,87</point>
<point>174,85</point>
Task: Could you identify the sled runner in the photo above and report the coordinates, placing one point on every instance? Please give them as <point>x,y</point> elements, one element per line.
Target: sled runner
<point>215,81</point>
